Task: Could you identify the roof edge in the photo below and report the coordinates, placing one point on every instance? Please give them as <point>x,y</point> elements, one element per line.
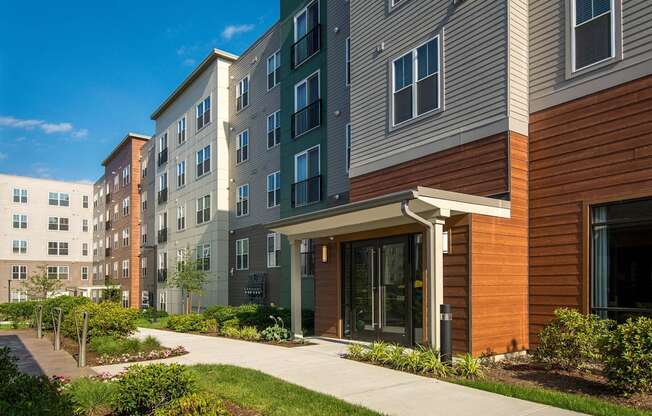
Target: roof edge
<point>129,135</point>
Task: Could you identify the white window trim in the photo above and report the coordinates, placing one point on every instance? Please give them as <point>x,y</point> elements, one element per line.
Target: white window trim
<point>239,244</point>
<point>305,152</point>
<point>238,146</point>
<point>276,115</point>
<point>574,26</point>
<point>277,243</point>
<point>237,199</point>
<point>182,174</point>
<point>302,11</point>
<point>277,57</point>
<point>202,102</point>
<point>277,183</point>
<point>415,80</point>
<point>239,93</point>
<point>305,81</point>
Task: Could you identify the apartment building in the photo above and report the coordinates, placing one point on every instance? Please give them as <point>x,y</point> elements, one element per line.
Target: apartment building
<point>117,216</point>
<point>148,235</point>
<point>44,226</point>
<point>191,205</point>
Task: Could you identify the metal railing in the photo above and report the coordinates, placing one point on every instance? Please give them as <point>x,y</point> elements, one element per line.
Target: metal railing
<point>306,192</point>
<point>306,119</point>
<point>162,236</point>
<point>306,47</point>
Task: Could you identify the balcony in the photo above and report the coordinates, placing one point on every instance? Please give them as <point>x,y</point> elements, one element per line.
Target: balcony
<point>107,198</point>
<point>107,225</point>
<point>306,47</point>
<point>163,157</point>
<point>163,196</point>
<point>306,192</point>
<point>163,236</point>
<point>162,275</point>
<point>107,252</point>
<point>306,119</point>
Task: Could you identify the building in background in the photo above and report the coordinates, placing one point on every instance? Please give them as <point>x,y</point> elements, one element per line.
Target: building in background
<point>191,166</point>
<point>44,225</point>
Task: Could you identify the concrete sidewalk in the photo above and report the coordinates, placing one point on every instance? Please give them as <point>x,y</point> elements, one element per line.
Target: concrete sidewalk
<point>320,368</point>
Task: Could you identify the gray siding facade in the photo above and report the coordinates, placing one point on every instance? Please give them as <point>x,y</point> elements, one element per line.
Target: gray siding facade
<point>552,79</point>
<point>480,96</point>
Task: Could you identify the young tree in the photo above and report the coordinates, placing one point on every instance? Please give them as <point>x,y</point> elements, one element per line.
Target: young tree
<point>111,292</point>
<point>39,285</point>
<point>189,277</point>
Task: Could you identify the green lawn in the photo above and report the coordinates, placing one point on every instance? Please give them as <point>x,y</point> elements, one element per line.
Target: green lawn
<point>161,323</point>
<point>575,402</point>
<point>268,395</point>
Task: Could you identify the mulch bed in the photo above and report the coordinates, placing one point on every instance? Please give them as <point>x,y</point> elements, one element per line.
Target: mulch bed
<point>524,372</point>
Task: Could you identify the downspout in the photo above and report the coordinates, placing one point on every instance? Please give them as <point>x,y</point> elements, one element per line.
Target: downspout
<point>406,211</point>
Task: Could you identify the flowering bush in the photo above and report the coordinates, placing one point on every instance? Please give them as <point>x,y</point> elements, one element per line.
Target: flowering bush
<point>142,356</point>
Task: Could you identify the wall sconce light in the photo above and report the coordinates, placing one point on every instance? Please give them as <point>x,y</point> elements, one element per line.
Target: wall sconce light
<point>324,253</point>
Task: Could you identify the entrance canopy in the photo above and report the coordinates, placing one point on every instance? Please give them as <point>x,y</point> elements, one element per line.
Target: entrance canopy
<point>385,211</point>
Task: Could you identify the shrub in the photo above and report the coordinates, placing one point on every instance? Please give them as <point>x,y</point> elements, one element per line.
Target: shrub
<point>20,312</point>
<point>193,405</point>
<point>249,333</point>
<point>469,367</point>
<point>25,395</point>
<point>412,361</point>
<point>430,363</point>
<point>395,357</point>
<point>91,397</point>
<point>192,323</point>
<point>571,340</point>
<point>151,314</point>
<point>277,332</point>
<point>117,346</point>
<point>379,352</point>
<point>628,356</point>
<point>150,344</point>
<point>231,332</point>
<point>105,319</point>
<point>143,389</point>
<point>357,352</point>
<point>67,304</point>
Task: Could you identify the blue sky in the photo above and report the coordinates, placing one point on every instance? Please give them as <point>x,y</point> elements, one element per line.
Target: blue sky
<point>76,76</point>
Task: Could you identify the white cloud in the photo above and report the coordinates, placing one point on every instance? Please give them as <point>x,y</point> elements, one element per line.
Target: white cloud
<point>189,62</point>
<point>45,127</point>
<point>80,134</point>
<point>19,124</point>
<point>3,156</point>
<point>232,30</point>
<point>42,171</point>
<point>49,128</point>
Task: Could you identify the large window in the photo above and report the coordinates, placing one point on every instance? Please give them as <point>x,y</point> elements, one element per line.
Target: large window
<point>203,161</point>
<point>126,176</point>
<point>242,93</point>
<point>306,189</point>
<point>181,131</point>
<point>181,217</point>
<point>181,174</point>
<point>20,196</point>
<point>416,79</point>
<point>203,209</point>
<point>19,246</point>
<point>125,237</point>
<point>621,264</point>
<point>58,224</point>
<point>58,199</point>
<point>593,32</point>
<point>307,34</point>
<point>273,70</point>
<point>19,221</point>
<point>204,257</point>
<point>19,272</point>
<point>274,190</point>
<point>125,206</point>
<point>242,254</point>
<point>274,129</point>
<point>57,248</point>
<point>273,250</point>
<point>307,105</point>
<point>242,201</point>
<point>163,149</point>
<point>242,147</point>
<point>59,272</point>
<point>203,113</point>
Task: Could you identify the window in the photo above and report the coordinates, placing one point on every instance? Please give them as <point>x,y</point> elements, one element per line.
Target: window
<point>204,257</point>
<point>18,295</point>
<point>163,301</point>
<point>143,267</point>
<point>84,273</point>
<point>621,265</point>
<point>143,167</point>
<point>307,258</point>
<point>95,198</point>
<point>181,174</point>
<point>84,201</point>
<point>242,147</point>
<point>125,269</point>
<point>307,105</point>
<point>274,129</point>
<point>143,234</point>
<point>307,36</point>
<point>162,267</point>
<point>416,82</point>
<point>203,209</point>
<point>125,237</point>
<point>163,149</point>
<point>56,248</point>
<point>115,269</point>
<point>58,272</point>
<point>181,217</point>
<point>125,298</point>
<point>242,254</point>
<point>348,146</point>
<point>204,161</point>
<point>126,176</point>
<point>144,299</point>
<point>347,60</point>
<point>242,201</point>
<point>19,246</point>
<point>58,224</point>
<point>84,225</point>
<point>84,249</point>
<point>116,183</point>
<point>181,131</point>
<point>203,113</point>
<point>115,212</point>
<point>273,70</point>
<point>94,248</point>
<point>20,221</point>
<point>19,272</point>
<point>143,201</point>
<point>306,189</point>
<point>273,190</point>
<point>125,206</point>
<point>163,188</point>
<point>593,34</point>
<point>116,240</point>
<point>58,199</point>
<point>242,94</point>
<point>20,196</point>
<point>273,250</point>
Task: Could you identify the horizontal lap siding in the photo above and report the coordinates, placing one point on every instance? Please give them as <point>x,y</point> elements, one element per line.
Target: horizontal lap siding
<point>327,298</point>
<point>499,259</point>
<point>456,283</point>
<point>597,147</point>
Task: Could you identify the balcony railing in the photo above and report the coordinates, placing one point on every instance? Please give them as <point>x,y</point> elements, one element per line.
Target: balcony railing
<point>162,236</point>
<point>163,157</point>
<point>107,252</point>
<point>107,225</point>
<point>306,192</point>
<point>162,275</point>
<point>163,196</point>
<point>306,119</point>
<point>306,47</point>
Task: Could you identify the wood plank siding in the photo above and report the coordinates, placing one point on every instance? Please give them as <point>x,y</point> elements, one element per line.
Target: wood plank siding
<point>596,148</point>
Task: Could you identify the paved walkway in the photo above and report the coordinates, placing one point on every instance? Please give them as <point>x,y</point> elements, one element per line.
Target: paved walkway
<point>37,356</point>
<point>321,368</point>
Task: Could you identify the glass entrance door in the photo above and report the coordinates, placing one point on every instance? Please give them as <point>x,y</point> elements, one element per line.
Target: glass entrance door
<point>379,282</point>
